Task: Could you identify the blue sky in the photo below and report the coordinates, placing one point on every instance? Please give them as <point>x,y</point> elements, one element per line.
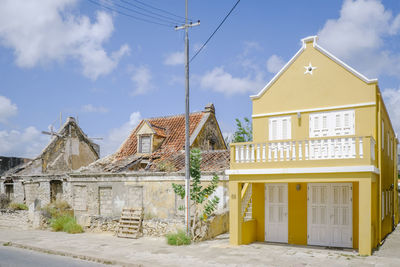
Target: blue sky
<point>74,57</point>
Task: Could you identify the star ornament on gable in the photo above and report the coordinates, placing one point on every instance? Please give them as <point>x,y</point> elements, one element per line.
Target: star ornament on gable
<point>309,69</point>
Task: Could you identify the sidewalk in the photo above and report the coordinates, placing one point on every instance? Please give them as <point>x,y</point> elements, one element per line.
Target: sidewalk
<point>146,251</point>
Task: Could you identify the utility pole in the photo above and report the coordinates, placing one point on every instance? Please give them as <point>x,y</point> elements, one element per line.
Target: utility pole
<point>186,26</point>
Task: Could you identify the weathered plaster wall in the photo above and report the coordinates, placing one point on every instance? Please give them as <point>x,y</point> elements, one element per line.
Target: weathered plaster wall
<point>153,192</point>
<point>210,137</point>
<point>39,189</point>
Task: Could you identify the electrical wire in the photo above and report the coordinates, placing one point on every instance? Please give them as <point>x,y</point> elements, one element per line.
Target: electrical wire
<point>127,15</point>
<point>159,9</point>
<point>219,26</point>
<point>154,13</point>
<point>146,15</point>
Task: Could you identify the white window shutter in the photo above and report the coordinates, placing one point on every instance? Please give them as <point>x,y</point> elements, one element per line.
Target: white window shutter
<point>383,205</point>
<point>274,129</point>
<point>284,129</point>
<point>383,135</point>
<point>280,128</point>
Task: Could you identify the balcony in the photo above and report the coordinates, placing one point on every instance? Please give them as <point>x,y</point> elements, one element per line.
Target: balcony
<point>316,152</point>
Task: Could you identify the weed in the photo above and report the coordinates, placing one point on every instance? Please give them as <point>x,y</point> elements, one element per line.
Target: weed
<point>66,223</point>
<point>57,208</point>
<point>7,244</point>
<point>18,206</point>
<point>178,239</point>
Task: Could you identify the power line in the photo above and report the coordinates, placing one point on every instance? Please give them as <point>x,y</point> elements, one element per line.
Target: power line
<point>159,9</point>
<point>128,15</point>
<point>151,12</point>
<point>219,26</point>
<point>143,14</point>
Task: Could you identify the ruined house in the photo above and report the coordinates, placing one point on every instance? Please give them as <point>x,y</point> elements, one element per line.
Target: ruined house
<point>45,177</point>
<point>6,164</point>
<point>141,172</point>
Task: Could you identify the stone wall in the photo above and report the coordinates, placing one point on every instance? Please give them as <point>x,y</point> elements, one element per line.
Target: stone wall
<point>152,191</point>
<point>151,227</point>
<point>18,219</point>
<point>39,189</point>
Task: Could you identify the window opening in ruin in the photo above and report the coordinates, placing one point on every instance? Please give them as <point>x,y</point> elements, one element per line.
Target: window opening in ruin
<point>9,189</point>
<point>56,190</point>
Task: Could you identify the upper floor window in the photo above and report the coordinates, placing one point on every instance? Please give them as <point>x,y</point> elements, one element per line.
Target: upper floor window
<point>332,123</point>
<point>280,128</point>
<point>144,144</point>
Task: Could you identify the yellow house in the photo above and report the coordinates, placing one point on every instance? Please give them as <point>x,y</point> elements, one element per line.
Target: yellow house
<point>322,167</point>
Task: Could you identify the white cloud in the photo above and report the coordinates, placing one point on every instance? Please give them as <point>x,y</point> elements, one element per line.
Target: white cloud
<point>176,58</point>
<point>29,143</point>
<point>117,136</point>
<point>275,64</point>
<point>219,80</point>
<point>93,109</point>
<point>142,80</point>
<point>392,102</point>
<point>40,33</point>
<point>358,37</point>
<point>7,109</point>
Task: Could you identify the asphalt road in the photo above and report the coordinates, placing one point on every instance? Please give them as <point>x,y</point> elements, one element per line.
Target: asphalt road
<point>12,257</point>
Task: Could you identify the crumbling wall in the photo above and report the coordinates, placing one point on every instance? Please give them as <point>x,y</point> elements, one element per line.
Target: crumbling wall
<point>19,195</point>
<point>210,137</point>
<point>37,190</point>
<point>153,192</point>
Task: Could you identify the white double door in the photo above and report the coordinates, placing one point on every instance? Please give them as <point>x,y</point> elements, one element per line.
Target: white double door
<point>276,213</point>
<point>329,214</point>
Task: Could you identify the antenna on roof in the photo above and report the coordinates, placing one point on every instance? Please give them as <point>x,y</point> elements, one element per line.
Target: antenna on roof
<point>52,132</point>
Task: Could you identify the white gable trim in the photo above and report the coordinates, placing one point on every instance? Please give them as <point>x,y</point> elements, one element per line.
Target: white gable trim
<point>284,68</point>
<point>366,104</point>
<point>366,168</point>
<point>323,51</point>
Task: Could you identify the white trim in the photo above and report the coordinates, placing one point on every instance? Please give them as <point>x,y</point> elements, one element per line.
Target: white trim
<point>279,73</point>
<point>323,51</point>
<point>366,168</point>
<point>314,109</point>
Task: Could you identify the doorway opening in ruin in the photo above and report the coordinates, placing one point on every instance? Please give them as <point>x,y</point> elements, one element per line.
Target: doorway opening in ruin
<point>56,190</point>
<point>9,189</point>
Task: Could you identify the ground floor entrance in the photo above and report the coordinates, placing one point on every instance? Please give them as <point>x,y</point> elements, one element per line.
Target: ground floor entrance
<point>276,213</point>
<point>330,216</point>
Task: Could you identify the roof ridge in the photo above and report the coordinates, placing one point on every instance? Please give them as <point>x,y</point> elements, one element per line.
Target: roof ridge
<point>172,116</point>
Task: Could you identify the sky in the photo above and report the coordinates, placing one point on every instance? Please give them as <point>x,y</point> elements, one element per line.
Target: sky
<point>85,59</point>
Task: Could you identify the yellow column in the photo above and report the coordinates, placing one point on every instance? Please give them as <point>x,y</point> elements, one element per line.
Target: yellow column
<point>235,220</point>
<point>365,236</point>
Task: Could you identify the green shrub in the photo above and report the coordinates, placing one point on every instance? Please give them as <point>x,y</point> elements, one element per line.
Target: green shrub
<point>18,206</point>
<point>178,239</point>
<point>66,223</point>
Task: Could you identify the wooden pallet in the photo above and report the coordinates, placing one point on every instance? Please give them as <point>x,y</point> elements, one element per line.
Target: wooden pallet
<point>130,223</point>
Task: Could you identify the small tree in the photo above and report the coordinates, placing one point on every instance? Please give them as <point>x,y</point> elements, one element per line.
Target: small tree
<point>243,133</point>
<point>198,194</point>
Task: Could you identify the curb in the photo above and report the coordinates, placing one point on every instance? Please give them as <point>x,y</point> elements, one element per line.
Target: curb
<point>69,254</point>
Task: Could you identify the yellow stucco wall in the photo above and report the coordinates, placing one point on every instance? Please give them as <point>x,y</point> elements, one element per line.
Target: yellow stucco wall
<point>297,221</point>
<point>329,85</point>
<point>258,199</point>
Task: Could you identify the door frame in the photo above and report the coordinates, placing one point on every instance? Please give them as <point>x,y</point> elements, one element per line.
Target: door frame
<point>266,197</point>
<point>329,215</point>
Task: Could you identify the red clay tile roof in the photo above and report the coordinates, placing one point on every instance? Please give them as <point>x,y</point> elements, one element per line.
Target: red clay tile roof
<point>212,160</point>
<point>172,127</point>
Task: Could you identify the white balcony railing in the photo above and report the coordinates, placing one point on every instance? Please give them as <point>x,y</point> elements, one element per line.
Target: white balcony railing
<point>314,149</point>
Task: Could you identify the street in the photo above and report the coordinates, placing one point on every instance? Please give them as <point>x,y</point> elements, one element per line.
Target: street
<point>10,257</point>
